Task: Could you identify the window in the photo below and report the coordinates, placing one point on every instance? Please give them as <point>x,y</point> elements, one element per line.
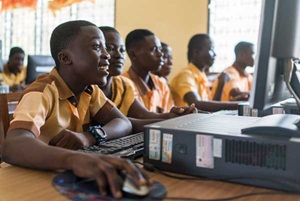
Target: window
<point>31,29</point>
<point>232,21</point>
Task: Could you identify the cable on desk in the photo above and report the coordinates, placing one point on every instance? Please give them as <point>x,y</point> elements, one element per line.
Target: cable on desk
<point>229,198</point>
<point>152,168</point>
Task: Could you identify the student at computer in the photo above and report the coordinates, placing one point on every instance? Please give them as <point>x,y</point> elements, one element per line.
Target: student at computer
<point>165,69</point>
<point>239,83</point>
<point>121,90</point>
<point>14,71</point>
<point>58,107</point>
<point>144,51</point>
<point>190,84</point>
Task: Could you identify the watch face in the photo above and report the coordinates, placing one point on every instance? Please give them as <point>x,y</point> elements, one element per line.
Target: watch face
<point>100,132</point>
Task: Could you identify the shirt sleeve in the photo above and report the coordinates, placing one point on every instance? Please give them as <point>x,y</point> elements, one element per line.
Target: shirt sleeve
<point>185,83</point>
<point>98,99</point>
<point>31,112</point>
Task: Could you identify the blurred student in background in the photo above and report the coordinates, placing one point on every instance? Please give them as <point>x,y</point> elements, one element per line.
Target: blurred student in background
<point>238,85</point>
<point>165,70</point>
<point>121,90</point>
<point>14,72</point>
<point>144,51</point>
<point>190,85</point>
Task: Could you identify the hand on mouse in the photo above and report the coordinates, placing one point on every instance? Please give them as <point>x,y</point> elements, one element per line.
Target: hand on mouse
<point>104,169</point>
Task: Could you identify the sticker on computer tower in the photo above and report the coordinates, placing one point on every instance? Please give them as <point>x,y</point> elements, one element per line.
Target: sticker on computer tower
<point>154,144</point>
<point>217,146</point>
<point>204,149</point>
<point>167,148</point>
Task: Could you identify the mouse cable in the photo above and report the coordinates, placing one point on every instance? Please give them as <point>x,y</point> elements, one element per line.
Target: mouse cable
<point>232,197</point>
<point>152,168</point>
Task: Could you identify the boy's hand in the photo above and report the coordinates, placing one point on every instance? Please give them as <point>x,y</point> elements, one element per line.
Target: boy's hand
<point>179,111</point>
<point>72,140</point>
<point>104,169</point>
<point>237,95</point>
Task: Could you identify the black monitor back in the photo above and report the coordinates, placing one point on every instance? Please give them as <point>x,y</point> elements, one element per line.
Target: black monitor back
<point>38,64</point>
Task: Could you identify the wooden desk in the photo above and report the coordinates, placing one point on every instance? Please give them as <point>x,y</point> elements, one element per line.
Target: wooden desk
<point>20,184</point>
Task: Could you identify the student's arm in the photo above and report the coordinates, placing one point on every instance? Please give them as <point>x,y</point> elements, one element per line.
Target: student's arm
<point>113,121</point>
<point>222,79</point>
<point>210,106</point>
<point>237,95</point>
<point>138,124</point>
<point>138,111</point>
<point>22,148</point>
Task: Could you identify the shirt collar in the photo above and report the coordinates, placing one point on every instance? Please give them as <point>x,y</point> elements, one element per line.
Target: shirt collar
<point>143,87</point>
<point>199,74</point>
<point>63,89</point>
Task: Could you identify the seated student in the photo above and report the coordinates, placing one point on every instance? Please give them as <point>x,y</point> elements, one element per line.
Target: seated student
<point>239,84</point>
<point>165,70</point>
<point>121,90</point>
<point>144,51</point>
<point>190,84</point>
<point>58,107</point>
<point>14,72</point>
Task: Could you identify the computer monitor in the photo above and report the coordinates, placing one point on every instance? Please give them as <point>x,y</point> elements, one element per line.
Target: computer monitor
<point>38,64</point>
<point>278,44</point>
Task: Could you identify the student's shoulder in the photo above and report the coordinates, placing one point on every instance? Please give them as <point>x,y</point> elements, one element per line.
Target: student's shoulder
<point>42,83</point>
<point>124,79</point>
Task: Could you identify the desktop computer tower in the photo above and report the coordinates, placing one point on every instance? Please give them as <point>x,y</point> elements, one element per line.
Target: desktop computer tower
<point>213,146</point>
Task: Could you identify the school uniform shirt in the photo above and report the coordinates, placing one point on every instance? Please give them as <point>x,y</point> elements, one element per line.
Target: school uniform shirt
<point>11,79</point>
<point>155,99</point>
<point>123,93</point>
<point>48,106</point>
<point>190,79</point>
<point>243,83</point>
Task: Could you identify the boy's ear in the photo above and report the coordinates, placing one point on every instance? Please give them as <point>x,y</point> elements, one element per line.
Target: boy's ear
<point>64,57</point>
<point>132,54</point>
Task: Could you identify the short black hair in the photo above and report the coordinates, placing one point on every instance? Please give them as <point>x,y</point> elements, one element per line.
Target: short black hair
<point>196,42</point>
<point>242,46</point>
<point>108,29</point>
<point>136,36</point>
<point>15,50</point>
<point>63,34</point>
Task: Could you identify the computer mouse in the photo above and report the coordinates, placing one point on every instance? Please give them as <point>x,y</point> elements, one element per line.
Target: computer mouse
<point>129,188</point>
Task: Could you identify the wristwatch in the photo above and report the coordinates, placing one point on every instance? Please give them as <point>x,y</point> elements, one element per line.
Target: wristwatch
<point>98,133</point>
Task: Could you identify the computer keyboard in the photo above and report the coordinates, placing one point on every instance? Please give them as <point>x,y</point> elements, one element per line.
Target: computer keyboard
<point>131,146</point>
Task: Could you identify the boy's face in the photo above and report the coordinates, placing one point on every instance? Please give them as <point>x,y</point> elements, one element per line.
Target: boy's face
<point>249,56</point>
<point>16,62</point>
<point>207,54</point>
<point>89,57</point>
<point>149,55</point>
<point>168,57</point>
<point>116,48</point>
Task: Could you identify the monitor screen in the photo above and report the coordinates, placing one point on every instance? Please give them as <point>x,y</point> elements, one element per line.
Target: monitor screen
<point>278,42</point>
<point>38,64</point>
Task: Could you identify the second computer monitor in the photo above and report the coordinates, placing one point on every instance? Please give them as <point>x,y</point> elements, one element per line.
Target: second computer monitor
<point>38,64</point>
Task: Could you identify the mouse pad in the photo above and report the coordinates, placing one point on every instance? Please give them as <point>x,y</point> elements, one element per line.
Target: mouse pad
<point>67,184</point>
